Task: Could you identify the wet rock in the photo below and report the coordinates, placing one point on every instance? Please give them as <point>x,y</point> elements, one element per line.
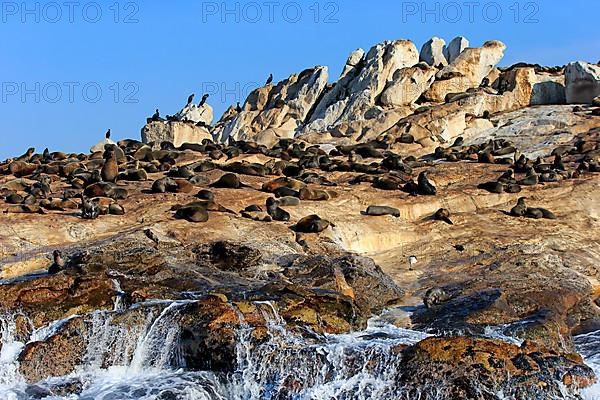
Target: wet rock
<point>462,367</point>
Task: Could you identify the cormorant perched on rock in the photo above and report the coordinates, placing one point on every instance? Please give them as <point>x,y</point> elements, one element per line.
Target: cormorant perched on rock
<point>190,99</point>
<point>108,134</point>
<point>238,108</point>
<point>156,115</point>
<point>270,79</point>
<point>204,98</point>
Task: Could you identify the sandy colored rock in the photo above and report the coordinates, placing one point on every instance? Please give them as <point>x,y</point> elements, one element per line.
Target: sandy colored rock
<point>175,132</point>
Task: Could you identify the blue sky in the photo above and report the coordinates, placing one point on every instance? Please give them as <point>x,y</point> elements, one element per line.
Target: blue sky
<point>71,70</point>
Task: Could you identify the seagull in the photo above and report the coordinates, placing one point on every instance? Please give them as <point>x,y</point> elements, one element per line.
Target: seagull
<point>412,260</point>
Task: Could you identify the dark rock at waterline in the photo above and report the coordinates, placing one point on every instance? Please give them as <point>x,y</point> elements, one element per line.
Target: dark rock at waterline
<point>472,368</point>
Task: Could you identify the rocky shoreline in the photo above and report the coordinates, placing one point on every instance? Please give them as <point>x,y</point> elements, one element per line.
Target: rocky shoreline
<point>315,208</point>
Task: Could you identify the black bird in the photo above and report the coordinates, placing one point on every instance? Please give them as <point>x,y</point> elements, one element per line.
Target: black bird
<point>108,134</point>
<point>156,115</point>
<point>238,108</point>
<point>270,79</point>
<point>204,98</point>
<point>190,99</point>
<point>425,187</point>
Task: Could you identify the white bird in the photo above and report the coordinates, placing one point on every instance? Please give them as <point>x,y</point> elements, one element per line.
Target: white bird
<point>412,260</point>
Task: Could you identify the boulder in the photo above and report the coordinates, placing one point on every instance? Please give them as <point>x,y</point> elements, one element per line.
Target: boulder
<point>466,71</point>
<point>466,368</point>
<point>196,114</point>
<point>100,145</point>
<point>455,47</point>
<point>175,132</point>
<point>548,89</point>
<point>354,96</point>
<point>582,82</point>
<point>407,85</point>
<point>282,107</point>
<point>432,53</point>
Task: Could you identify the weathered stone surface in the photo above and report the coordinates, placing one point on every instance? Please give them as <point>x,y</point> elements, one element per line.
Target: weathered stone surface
<point>175,132</point>
<point>582,82</point>
<point>466,71</point>
<point>548,89</point>
<point>462,368</point>
<point>196,114</point>
<point>355,94</point>
<point>281,108</point>
<point>432,53</point>
<point>455,47</point>
<point>407,85</point>
<point>100,145</point>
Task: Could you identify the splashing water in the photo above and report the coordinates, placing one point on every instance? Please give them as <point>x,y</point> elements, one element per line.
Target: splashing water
<point>588,346</point>
<point>143,361</point>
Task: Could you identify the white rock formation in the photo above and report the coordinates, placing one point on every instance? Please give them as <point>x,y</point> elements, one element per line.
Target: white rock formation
<point>467,71</point>
<point>582,82</point>
<point>354,96</point>
<point>100,145</point>
<point>548,89</point>
<point>194,113</point>
<point>432,52</point>
<point>281,108</point>
<point>175,132</point>
<point>455,47</point>
<point>407,85</point>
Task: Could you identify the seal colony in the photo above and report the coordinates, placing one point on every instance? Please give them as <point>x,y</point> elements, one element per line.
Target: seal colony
<point>478,227</point>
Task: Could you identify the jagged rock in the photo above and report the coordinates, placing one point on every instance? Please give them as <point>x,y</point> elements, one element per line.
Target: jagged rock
<point>455,47</point>
<point>548,89</point>
<point>175,132</point>
<point>582,82</point>
<point>466,71</point>
<point>465,368</point>
<point>407,85</point>
<point>432,53</point>
<point>353,96</point>
<point>282,107</point>
<point>353,60</point>
<point>196,114</point>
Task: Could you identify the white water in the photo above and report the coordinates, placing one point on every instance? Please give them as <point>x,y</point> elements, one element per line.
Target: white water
<point>143,362</point>
<point>588,345</point>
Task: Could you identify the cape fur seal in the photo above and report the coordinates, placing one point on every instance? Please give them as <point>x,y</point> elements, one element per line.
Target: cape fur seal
<point>378,211</point>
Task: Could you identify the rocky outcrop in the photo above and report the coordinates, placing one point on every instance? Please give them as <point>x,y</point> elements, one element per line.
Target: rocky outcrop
<point>355,94</point>
<point>279,109</point>
<point>455,47</point>
<point>196,114</point>
<point>176,132</point>
<point>100,145</point>
<point>582,82</point>
<point>466,71</point>
<point>407,85</point>
<point>432,53</point>
<point>467,368</point>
